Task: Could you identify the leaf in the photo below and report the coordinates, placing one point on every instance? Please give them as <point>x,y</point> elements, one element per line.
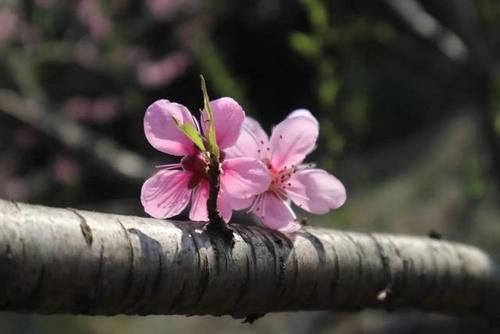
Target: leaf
<point>305,44</point>
<point>192,133</point>
<point>213,148</point>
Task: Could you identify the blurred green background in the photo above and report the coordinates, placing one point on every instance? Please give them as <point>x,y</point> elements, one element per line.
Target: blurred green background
<point>406,93</point>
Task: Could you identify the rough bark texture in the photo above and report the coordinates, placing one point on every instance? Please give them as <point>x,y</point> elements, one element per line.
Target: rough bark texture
<point>70,261</point>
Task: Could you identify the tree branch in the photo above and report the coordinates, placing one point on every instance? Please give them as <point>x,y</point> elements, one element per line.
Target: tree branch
<point>68,261</point>
<point>124,163</point>
<point>467,49</point>
<point>424,25</point>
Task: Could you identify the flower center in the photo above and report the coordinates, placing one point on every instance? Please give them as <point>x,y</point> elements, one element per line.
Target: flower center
<point>197,164</point>
<point>280,180</point>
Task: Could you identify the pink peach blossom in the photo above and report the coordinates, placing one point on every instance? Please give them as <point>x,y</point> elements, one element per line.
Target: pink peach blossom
<point>167,9</point>
<point>312,189</point>
<point>100,110</point>
<point>162,72</point>
<point>91,14</point>
<point>9,24</point>
<point>170,190</point>
<point>66,170</point>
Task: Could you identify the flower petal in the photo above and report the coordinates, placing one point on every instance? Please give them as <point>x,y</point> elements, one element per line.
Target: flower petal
<point>258,132</point>
<point>303,113</point>
<point>244,177</point>
<point>316,191</point>
<point>228,117</point>
<point>292,140</point>
<point>198,210</point>
<point>224,206</point>
<point>252,142</point>
<point>166,193</point>
<point>241,203</point>
<point>276,214</point>
<point>245,146</point>
<point>161,130</point>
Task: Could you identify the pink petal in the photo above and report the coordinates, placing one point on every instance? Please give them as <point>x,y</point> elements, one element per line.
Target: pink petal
<point>252,142</point>
<point>241,203</point>
<point>276,214</point>
<point>224,206</point>
<point>259,133</point>
<point>316,191</point>
<point>166,193</point>
<point>161,130</point>
<point>245,146</point>
<point>303,113</point>
<point>198,210</point>
<point>228,117</point>
<point>292,140</point>
<point>244,177</point>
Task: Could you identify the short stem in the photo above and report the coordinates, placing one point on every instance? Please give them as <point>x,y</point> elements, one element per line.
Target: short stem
<point>216,224</point>
<point>213,179</point>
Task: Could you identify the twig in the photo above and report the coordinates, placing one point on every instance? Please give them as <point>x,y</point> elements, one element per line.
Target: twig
<point>217,224</point>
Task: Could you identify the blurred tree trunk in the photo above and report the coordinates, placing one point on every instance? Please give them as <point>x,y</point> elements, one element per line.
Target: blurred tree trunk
<point>69,261</point>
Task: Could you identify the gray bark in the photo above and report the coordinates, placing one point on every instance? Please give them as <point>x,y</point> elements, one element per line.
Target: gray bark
<point>69,261</point>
